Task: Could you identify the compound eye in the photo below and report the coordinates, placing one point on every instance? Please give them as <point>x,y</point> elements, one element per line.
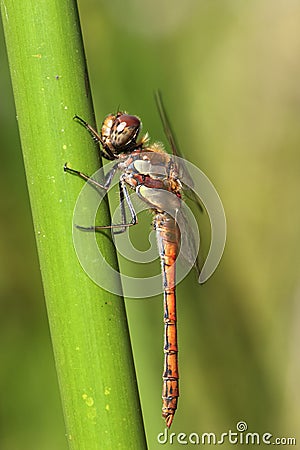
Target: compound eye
<point>124,131</point>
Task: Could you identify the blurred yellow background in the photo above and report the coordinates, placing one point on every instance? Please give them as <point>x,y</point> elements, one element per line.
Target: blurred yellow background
<point>229,72</point>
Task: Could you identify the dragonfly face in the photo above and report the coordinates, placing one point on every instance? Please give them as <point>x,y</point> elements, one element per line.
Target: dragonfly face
<point>119,133</point>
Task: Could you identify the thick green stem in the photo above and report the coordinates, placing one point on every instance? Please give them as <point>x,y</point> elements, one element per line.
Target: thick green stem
<point>88,325</point>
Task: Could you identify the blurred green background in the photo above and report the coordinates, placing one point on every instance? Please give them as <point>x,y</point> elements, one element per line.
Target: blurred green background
<point>229,72</point>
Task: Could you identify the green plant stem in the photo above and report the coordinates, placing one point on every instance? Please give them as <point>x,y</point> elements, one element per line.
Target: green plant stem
<point>88,326</point>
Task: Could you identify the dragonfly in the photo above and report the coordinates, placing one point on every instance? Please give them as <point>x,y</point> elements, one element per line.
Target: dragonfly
<point>156,178</point>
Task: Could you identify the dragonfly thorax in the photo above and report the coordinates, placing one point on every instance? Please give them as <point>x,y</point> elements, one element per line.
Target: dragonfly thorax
<point>119,133</point>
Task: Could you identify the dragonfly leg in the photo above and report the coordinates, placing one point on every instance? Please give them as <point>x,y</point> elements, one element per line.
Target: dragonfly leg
<point>107,181</point>
<point>85,177</point>
<point>96,137</point>
<point>124,195</point>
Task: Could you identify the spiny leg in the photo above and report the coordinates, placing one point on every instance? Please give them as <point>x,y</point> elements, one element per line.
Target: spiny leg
<point>85,177</point>
<point>97,138</point>
<point>124,195</point>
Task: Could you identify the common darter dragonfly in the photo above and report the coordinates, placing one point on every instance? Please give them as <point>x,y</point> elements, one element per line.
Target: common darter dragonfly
<point>156,177</point>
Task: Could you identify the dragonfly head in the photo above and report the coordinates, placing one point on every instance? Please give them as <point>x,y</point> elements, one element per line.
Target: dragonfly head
<point>119,133</point>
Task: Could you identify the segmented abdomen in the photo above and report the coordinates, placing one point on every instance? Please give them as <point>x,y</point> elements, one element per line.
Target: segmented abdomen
<point>168,238</point>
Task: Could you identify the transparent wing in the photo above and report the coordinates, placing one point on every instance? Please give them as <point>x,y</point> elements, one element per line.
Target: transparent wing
<point>189,240</point>
<point>183,170</point>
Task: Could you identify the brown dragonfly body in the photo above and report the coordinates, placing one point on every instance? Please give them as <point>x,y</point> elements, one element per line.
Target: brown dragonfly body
<point>152,173</point>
